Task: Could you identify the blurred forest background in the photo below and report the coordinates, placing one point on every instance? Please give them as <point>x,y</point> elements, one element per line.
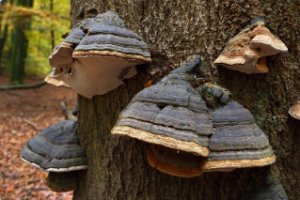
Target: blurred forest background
<point>29,30</point>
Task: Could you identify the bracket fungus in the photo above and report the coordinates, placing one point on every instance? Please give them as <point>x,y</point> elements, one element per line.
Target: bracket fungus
<point>174,116</point>
<point>294,110</point>
<point>61,57</point>
<point>188,134</point>
<point>237,142</point>
<point>174,162</point>
<point>56,150</point>
<point>105,56</point>
<point>246,52</point>
<point>51,79</point>
<point>62,53</point>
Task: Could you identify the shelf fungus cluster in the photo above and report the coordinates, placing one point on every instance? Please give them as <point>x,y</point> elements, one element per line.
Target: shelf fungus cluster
<point>56,150</point>
<point>98,54</point>
<point>193,130</point>
<point>247,51</point>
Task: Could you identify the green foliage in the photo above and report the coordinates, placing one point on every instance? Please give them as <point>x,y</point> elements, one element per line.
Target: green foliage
<point>38,33</point>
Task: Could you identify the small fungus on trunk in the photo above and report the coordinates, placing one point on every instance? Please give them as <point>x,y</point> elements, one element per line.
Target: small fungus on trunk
<point>294,110</point>
<point>246,52</point>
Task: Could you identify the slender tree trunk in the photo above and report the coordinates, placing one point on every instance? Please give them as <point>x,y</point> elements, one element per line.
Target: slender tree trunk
<point>3,36</point>
<point>19,45</point>
<point>175,29</point>
<point>17,68</point>
<point>52,35</point>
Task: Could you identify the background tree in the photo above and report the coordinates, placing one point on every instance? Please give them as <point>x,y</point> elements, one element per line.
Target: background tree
<point>52,34</point>
<point>19,44</point>
<point>41,24</point>
<point>117,166</point>
<point>3,34</point>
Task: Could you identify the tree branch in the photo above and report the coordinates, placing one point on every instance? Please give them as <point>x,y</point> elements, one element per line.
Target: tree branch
<point>67,112</point>
<point>22,86</point>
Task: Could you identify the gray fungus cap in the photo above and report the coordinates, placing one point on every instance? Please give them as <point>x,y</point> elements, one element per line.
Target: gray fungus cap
<point>56,149</point>
<point>175,115</point>
<point>105,54</point>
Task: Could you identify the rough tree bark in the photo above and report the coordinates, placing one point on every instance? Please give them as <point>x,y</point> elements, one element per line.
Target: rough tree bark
<point>175,29</point>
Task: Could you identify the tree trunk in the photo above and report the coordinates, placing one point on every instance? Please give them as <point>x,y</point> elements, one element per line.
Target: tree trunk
<point>52,35</point>
<point>3,39</point>
<point>175,29</point>
<point>3,36</point>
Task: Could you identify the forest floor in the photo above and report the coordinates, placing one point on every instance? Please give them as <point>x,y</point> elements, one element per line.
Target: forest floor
<point>23,113</point>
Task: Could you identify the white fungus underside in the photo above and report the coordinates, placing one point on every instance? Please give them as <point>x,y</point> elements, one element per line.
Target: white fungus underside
<point>294,111</point>
<point>69,169</point>
<point>268,45</point>
<point>53,81</point>
<point>97,75</point>
<point>248,68</point>
<point>238,60</point>
<point>61,55</point>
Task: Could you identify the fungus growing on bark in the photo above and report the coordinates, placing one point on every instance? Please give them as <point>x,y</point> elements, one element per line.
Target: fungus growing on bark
<point>174,162</point>
<point>175,115</point>
<point>51,79</point>
<point>294,110</point>
<point>193,130</point>
<point>264,41</point>
<point>61,57</point>
<point>105,56</point>
<point>246,51</point>
<point>61,61</point>
<point>237,142</point>
<point>62,53</point>
<point>56,150</point>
